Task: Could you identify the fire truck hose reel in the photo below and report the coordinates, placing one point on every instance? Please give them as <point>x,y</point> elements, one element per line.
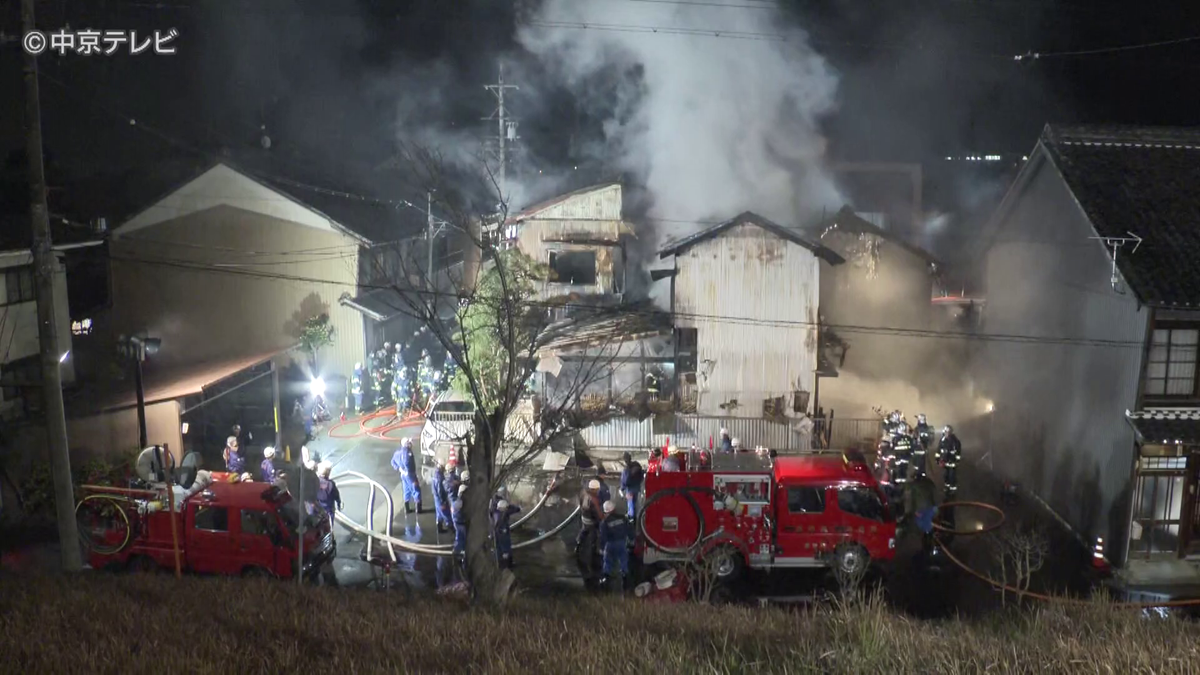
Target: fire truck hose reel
<point>119,504</point>
<point>686,493</point>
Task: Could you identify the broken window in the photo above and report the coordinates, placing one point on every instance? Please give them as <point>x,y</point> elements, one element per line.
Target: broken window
<point>686,340</point>
<point>1171,367</point>
<point>573,267</point>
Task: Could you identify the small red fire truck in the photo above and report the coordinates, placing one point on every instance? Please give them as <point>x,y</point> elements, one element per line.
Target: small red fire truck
<point>752,510</point>
<point>227,528</point>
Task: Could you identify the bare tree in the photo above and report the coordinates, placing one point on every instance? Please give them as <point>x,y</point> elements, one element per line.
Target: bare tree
<point>1019,553</point>
<point>488,317</point>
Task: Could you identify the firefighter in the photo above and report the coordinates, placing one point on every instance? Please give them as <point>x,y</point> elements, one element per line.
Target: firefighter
<point>614,541</point>
<point>500,496</point>
<point>923,504</point>
<point>670,463</point>
<point>404,462</point>
<point>502,533</point>
<point>234,462</point>
<point>652,386</point>
<point>268,465</point>
<point>449,371</point>
<point>655,462</point>
<point>949,455</point>
<point>590,515</point>
<point>327,492</point>
<point>460,524</point>
<point>737,445</point>
<point>726,441</point>
<point>902,447</point>
<point>425,379</point>
<point>441,500</point>
<point>604,494</point>
<point>452,480</point>
<point>924,437</point>
<point>356,387</point>
<point>631,483</point>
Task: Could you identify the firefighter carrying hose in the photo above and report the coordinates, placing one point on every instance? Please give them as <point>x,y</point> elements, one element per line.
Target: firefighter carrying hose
<point>949,455</point>
<point>924,438</point>
<point>356,387</point>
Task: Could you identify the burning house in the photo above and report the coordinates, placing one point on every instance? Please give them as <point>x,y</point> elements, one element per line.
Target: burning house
<point>1091,261</point>
<point>744,300</point>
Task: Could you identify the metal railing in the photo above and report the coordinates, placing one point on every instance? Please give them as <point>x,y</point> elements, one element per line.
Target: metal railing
<point>627,433</point>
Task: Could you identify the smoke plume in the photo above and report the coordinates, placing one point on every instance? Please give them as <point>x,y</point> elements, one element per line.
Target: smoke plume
<point>710,124</point>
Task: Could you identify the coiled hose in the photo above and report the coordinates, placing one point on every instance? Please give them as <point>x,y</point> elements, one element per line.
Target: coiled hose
<point>119,504</point>
<point>686,493</point>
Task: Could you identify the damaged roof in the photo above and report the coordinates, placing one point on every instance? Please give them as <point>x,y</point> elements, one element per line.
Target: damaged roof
<point>1141,181</point>
<point>607,325</point>
<point>1166,425</point>
<point>795,236</point>
<point>846,220</point>
<point>537,208</point>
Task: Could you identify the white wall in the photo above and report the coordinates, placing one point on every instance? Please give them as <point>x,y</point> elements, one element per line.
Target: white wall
<point>749,273</point>
<point>19,324</point>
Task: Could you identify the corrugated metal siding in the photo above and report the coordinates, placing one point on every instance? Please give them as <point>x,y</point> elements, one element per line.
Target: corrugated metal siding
<point>1059,420</point>
<point>596,215</point>
<point>749,273</point>
<point>274,274</point>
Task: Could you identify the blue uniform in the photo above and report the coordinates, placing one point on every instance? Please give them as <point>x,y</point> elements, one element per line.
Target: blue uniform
<point>614,540</point>
<point>452,483</point>
<point>404,462</point>
<point>631,484</point>
<point>460,526</point>
<point>604,493</point>
<point>328,496</point>
<point>440,497</point>
<point>502,532</point>
<point>234,462</point>
<point>726,444</point>
<point>268,470</point>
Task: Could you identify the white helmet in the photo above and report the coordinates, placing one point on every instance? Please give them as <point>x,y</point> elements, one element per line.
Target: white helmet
<point>406,443</point>
<point>609,506</point>
<point>268,452</point>
<point>665,579</point>
<point>902,427</point>
<point>724,431</point>
<point>358,365</point>
<point>593,484</point>
<point>501,505</point>
<point>231,441</point>
<point>502,492</point>
<point>461,489</point>
<point>947,430</point>
<point>921,419</point>
<point>737,442</point>
<point>323,469</point>
<point>466,476</point>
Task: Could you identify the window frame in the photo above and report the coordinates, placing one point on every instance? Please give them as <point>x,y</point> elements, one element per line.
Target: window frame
<point>555,254</point>
<point>204,508</point>
<point>1171,327</point>
<point>883,507</point>
<point>20,271</point>
<point>820,492</point>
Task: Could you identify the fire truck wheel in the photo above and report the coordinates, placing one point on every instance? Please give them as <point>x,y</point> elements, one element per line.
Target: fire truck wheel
<point>851,559</point>
<point>256,573</point>
<point>142,564</point>
<point>727,562</point>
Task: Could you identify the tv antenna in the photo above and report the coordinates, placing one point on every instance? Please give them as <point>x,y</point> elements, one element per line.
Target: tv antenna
<point>1114,245</point>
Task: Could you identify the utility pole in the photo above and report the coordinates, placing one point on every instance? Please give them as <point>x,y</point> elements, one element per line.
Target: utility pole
<point>43,264</point>
<point>506,128</point>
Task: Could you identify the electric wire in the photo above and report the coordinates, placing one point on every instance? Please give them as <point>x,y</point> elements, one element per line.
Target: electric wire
<point>695,316</point>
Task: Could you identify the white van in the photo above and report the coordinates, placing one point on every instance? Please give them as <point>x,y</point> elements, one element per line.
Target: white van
<point>446,424</point>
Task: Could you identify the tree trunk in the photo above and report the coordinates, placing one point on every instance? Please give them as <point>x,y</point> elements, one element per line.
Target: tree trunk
<point>482,451</point>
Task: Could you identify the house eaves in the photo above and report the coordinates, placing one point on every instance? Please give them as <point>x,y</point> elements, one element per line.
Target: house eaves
<point>749,217</point>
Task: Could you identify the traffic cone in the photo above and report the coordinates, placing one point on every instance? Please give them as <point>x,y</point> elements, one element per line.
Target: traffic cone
<point>1099,562</point>
<point>343,416</point>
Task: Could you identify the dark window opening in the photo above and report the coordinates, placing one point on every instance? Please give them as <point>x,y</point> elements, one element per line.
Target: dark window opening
<point>212,518</point>
<point>800,402</point>
<point>258,522</point>
<point>18,285</point>
<point>806,500</point>
<point>573,267</point>
<point>861,501</point>
<point>774,407</point>
<point>686,341</point>
<point>1171,367</point>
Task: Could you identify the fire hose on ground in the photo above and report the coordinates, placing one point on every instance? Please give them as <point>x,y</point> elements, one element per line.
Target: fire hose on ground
<point>1022,592</point>
<point>392,422</point>
<point>442,550</point>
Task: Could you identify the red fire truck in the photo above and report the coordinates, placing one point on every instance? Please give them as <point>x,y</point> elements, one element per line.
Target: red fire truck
<point>751,510</point>
<point>226,528</point>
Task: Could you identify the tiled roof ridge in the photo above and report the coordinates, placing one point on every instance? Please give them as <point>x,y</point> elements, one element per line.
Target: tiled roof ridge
<point>1134,144</point>
<point>1165,414</point>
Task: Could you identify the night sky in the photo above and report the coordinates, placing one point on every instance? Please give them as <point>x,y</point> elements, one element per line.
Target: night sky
<point>337,83</point>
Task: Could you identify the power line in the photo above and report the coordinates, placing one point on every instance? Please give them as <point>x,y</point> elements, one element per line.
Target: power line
<point>710,318</point>
<point>1107,50</point>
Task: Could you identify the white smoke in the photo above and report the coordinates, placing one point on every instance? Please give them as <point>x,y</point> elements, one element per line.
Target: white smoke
<point>716,125</point>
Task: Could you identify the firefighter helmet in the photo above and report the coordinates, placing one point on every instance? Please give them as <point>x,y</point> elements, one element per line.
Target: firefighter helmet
<point>902,428</point>
<point>501,505</point>
<point>406,443</point>
<point>466,476</point>
<point>268,452</point>
<point>502,492</point>
<point>737,442</point>
<point>921,419</point>
<point>947,430</point>
<point>462,490</point>
<point>593,484</point>
<point>609,506</point>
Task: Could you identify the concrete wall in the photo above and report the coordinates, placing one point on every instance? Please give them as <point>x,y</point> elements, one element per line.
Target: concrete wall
<point>225,282</point>
<point>1059,418</point>
<point>117,432</point>
<point>747,272</point>
<point>19,325</point>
